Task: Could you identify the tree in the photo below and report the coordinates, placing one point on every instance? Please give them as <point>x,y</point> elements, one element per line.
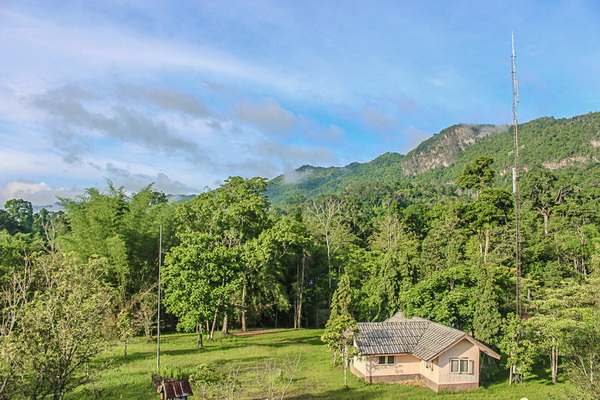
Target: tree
<point>540,190</point>
<point>279,257</point>
<point>123,229</point>
<point>235,213</point>
<point>491,209</point>
<point>477,174</point>
<point>21,212</point>
<point>59,327</point>
<point>517,345</point>
<point>340,328</point>
<point>394,252</point>
<point>444,245</point>
<point>328,222</point>
<point>200,276</point>
<point>487,319</point>
<point>446,297</point>
<point>566,319</point>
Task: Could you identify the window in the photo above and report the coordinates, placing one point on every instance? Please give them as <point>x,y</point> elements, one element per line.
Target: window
<point>454,366</point>
<point>383,360</point>
<point>461,366</point>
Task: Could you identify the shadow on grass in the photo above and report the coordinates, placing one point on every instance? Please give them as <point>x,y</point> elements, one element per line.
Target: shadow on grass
<point>337,394</point>
<point>308,338</point>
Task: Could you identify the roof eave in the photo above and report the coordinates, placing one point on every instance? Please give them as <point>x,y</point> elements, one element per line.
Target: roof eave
<point>477,343</point>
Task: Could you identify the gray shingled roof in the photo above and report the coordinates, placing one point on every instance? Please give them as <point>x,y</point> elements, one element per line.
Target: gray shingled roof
<point>425,339</point>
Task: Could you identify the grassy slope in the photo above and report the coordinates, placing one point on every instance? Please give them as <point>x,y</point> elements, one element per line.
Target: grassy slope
<point>129,378</point>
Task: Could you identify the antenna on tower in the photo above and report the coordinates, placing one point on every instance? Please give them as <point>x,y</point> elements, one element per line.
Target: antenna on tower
<point>159,301</point>
<point>515,95</point>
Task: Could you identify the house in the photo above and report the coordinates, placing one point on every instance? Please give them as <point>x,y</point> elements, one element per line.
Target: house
<point>416,349</point>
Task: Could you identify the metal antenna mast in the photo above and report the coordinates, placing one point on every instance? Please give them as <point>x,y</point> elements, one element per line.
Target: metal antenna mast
<point>158,319</point>
<point>515,95</point>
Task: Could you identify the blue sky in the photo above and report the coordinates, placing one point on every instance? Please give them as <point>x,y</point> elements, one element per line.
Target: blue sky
<point>187,93</point>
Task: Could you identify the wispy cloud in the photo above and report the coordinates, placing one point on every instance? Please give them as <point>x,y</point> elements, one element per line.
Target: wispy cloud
<point>168,99</point>
<point>74,125</point>
<point>71,49</point>
<point>379,122</point>
<point>267,115</point>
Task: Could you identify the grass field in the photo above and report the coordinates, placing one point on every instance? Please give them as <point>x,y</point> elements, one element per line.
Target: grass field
<point>316,377</point>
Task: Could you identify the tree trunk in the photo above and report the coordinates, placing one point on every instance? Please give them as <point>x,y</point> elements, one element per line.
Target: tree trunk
<point>346,367</point>
<point>199,330</point>
<point>214,323</point>
<point>488,234</point>
<point>480,239</point>
<point>243,313</point>
<point>554,361</point>
<point>300,294</point>
<point>225,323</point>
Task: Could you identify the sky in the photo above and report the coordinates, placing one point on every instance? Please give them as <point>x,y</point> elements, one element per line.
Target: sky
<point>186,93</point>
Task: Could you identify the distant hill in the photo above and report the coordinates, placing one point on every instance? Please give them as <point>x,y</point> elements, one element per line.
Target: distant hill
<point>545,142</point>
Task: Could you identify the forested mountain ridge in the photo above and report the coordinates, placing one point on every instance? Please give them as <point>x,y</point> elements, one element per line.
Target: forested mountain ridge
<point>545,143</point>
<point>444,148</point>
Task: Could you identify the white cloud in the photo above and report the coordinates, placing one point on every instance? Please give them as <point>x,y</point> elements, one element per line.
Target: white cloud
<point>268,115</point>
<point>74,123</point>
<point>38,193</point>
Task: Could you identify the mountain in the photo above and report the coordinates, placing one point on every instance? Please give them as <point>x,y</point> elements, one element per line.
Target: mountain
<point>544,143</point>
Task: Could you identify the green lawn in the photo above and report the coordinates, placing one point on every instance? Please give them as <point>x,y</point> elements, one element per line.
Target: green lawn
<point>316,378</point>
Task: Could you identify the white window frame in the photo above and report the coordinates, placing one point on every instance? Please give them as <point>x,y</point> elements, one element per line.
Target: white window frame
<point>386,360</point>
<point>463,364</point>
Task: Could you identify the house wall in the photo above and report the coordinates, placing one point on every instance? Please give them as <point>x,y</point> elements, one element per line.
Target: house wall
<point>409,367</point>
<point>359,364</point>
<point>405,367</point>
<point>430,375</point>
<point>459,381</point>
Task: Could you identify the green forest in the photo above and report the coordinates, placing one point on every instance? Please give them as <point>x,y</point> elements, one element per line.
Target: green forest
<point>441,246</point>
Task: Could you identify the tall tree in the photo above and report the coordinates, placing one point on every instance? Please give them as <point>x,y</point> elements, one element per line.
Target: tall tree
<point>543,191</point>
<point>491,209</point>
<point>340,328</point>
<point>487,319</point>
<point>124,229</point>
<point>327,218</point>
<point>476,174</point>
<point>395,252</point>
<point>517,344</point>
<point>200,276</point>
<point>235,213</point>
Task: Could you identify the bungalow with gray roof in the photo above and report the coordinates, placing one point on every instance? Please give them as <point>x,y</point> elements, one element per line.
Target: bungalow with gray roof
<point>416,349</point>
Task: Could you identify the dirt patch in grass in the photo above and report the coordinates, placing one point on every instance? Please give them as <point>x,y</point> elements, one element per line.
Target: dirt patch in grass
<point>258,331</point>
